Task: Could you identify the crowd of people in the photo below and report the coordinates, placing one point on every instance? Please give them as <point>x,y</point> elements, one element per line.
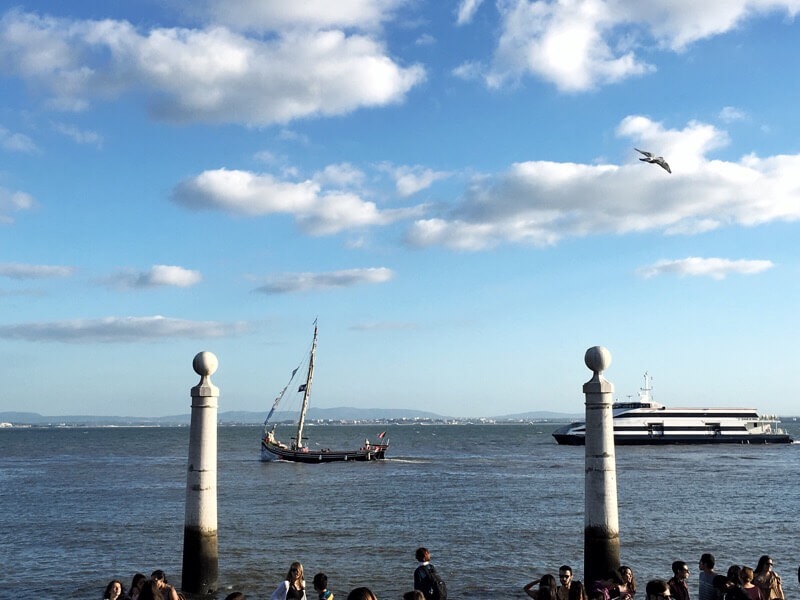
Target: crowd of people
<point>739,583</point>
<point>427,586</point>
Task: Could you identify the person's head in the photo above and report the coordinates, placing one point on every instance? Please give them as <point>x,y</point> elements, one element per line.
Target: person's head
<point>113,589</point>
<point>707,562</point>
<point>150,590</point>
<point>764,564</point>
<point>734,572</point>
<point>576,591</point>
<point>746,574</point>
<point>422,554</point>
<point>548,581</point>
<point>361,593</point>
<point>565,575</point>
<point>159,577</point>
<point>657,589</point>
<point>414,595</point>
<point>295,574</point>
<point>137,581</point>
<point>680,569</point>
<point>235,596</point>
<point>320,582</point>
<point>628,578</point>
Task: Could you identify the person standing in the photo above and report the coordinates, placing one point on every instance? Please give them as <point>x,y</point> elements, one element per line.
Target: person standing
<point>767,579</point>
<point>167,591</point>
<point>678,585</point>
<point>426,579</point>
<point>294,587</point>
<point>564,582</point>
<point>706,590</point>
<point>657,589</point>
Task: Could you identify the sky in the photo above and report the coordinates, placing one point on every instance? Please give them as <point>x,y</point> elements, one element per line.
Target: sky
<point>451,188</point>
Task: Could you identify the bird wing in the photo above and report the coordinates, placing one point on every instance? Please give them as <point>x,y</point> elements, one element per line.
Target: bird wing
<point>664,164</point>
<point>645,152</point>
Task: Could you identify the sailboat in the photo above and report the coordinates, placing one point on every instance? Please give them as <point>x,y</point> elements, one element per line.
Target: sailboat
<point>297,449</point>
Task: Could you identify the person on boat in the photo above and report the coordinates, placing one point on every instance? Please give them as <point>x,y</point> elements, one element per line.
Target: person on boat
<point>678,586</point>
<point>114,590</point>
<point>321,586</point>
<point>767,579</point>
<point>753,591</point>
<point>657,589</point>
<point>706,590</point>
<point>547,590</point>
<point>167,591</point>
<point>425,576</point>
<point>294,587</point>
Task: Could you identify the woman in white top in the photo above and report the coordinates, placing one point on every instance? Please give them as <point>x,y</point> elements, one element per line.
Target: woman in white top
<point>294,588</point>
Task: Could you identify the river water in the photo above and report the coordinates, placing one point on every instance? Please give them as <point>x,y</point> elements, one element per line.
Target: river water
<point>496,505</point>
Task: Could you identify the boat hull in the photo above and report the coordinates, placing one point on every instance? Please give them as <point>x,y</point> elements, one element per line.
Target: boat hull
<point>568,439</point>
<point>271,452</point>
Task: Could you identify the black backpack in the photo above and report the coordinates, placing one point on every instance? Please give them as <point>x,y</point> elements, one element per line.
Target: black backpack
<point>438,587</point>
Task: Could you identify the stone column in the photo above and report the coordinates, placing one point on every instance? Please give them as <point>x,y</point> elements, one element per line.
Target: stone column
<point>200,546</point>
<point>601,516</point>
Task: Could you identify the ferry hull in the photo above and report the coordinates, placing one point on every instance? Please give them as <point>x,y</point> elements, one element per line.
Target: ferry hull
<point>568,439</point>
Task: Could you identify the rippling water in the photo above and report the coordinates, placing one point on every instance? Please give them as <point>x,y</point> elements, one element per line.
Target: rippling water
<point>495,504</point>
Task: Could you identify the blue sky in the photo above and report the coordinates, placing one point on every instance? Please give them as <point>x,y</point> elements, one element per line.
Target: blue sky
<point>450,187</point>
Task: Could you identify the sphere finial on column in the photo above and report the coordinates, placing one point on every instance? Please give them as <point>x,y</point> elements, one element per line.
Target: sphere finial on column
<point>205,364</point>
<point>597,358</point>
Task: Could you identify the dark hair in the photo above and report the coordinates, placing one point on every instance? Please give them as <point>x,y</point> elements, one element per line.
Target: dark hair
<point>158,574</point>
<point>565,568</point>
<point>734,574</point>
<point>720,582</point>
<point>632,584</point>
<point>422,554</point>
<point>414,595</point>
<point>655,587</point>
<point>708,559</point>
<point>576,591</point>
<point>107,593</point>
<point>137,581</point>
<point>320,581</point>
<point>361,593</point>
<point>235,596</point>
<point>150,591</point>
<point>547,588</point>
<point>679,566</point>
<point>763,563</point>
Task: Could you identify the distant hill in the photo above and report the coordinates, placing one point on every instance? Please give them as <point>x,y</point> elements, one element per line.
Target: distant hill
<point>345,413</point>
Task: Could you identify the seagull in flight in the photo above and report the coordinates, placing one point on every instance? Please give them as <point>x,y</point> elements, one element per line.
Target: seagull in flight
<point>649,157</point>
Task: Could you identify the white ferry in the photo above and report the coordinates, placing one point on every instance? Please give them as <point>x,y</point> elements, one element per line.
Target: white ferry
<point>648,422</point>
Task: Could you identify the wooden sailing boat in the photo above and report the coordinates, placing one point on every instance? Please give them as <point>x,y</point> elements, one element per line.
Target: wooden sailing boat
<point>297,450</point>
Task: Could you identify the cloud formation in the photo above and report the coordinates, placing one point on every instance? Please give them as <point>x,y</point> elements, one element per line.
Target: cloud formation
<point>542,202</point>
<point>16,142</point>
<point>11,202</point>
<point>315,210</point>
<point>412,179</point>
<point>305,282</point>
<point>214,75</point>
<point>121,329</point>
<point>716,268</point>
<point>22,271</point>
<point>582,44</point>
<point>156,276</point>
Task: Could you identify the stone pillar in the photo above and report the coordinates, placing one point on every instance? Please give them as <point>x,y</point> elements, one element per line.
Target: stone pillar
<point>200,545</point>
<point>601,516</point>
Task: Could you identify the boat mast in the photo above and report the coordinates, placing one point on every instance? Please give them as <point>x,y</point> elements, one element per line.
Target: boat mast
<point>306,390</point>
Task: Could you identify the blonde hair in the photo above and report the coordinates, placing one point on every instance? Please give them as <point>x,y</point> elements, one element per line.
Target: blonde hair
<point>297,568</point>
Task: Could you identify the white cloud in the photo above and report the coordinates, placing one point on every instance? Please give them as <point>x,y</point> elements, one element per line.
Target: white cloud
<point>156,276</point>
<point>541,202</point>
<point>79,136</point>
<point>120,329</point>
<point>412,179</point>
<point>467,10</point>
<point>316,211</point>
<point>716,268</point>
<point>342,175</point>
<point>269,15</point>
<point>25,271</point>
<point>210,75</point>
<point>581,44</point>
<point>11,202</point>
<point>729,114</point>
<point>16,142</point>
<point>304,282</point>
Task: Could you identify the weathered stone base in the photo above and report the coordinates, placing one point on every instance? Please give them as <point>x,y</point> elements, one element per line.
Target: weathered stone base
<point>200,561</point>
<point>600,553</point>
